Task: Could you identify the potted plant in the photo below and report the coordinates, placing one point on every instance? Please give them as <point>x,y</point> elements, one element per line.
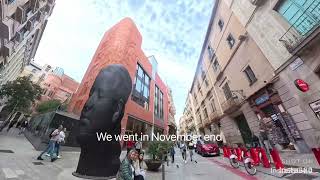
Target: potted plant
<point>157,151</point>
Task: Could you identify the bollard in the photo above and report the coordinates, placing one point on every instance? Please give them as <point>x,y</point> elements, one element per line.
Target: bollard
<point>225,153</point>
<point>276,159</point>
<point>255,156</point>
<point>264,158</point>
<point>316,152</point>
<point>239,153</point>
<point>229,151</point>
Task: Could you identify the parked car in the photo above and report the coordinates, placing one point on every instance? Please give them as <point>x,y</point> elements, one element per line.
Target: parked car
<point>207,148</point>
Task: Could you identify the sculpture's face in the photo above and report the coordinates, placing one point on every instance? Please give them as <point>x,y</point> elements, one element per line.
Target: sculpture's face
<point>105,106</point>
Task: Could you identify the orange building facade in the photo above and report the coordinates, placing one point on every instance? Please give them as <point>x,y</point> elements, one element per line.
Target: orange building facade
<point>148,103</point>
<point>58,85</point>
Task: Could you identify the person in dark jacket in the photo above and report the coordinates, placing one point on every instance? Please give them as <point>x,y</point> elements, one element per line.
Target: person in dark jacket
<point>172,153</point>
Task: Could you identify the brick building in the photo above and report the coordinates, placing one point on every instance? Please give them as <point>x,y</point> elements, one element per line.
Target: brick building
<point>148,102</point>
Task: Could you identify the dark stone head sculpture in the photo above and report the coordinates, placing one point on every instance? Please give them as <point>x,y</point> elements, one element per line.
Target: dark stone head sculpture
<point>103,112</point>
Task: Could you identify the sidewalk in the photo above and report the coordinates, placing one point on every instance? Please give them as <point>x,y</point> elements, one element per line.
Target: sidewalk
<point>18,161</point>
<point>289,159</point>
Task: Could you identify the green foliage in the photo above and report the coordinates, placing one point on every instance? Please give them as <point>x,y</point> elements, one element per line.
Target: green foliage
<point>20,93</point>
<point>157,149</point>
<point>48,106</point>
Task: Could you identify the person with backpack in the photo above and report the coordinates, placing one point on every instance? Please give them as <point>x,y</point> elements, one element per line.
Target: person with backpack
<point>183,149</point>
<point>54,137</point>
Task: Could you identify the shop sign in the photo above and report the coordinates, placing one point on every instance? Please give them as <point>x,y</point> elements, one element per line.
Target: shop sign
<point>261,99</point>
<point>296,63</point>
<point>315,106</point>
<point>301,85</point>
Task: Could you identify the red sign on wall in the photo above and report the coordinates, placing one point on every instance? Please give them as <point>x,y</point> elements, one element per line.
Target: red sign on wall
<point>301,85</point>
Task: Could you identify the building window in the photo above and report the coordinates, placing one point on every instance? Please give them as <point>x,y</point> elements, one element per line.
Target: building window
<point>227,91</point>
<point>195,99</point>
<point>158,103</point>
<point>205,113</point>
<point>11,1</point>
<point>200,92</point>
<point>48,68</point>
<point>30,76</point>
<point>141,91</point>
<point>303,15</point>
<point>212,106</point>
<point>203,75</point>
<point>231,41</point>
<point>216,66</point>
<point>50,94</point>
<point>220,24</point>
<point>250,75</point>
<point>44,91</point>
<point>34,70</point>
<point>206,82</point>
<point>210,53</point>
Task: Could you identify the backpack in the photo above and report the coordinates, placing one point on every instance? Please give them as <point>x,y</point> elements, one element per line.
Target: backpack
<point>50,135</point>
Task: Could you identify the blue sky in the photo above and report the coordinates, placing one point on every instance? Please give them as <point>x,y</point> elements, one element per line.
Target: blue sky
<point>172,30</point>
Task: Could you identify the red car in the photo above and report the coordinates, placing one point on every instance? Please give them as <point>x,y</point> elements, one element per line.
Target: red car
<point>207,148</point>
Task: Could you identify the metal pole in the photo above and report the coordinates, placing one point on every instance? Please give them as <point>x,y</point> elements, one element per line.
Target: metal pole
<point>162,169</point>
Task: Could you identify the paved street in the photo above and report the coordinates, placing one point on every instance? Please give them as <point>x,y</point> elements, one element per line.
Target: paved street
<point>22,165</point>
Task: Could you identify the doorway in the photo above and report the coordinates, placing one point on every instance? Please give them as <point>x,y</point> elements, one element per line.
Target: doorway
<point>279,133</point>
<point>244,129</point>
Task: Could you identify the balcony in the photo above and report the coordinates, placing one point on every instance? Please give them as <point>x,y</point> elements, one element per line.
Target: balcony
<point>304,25</point>
<point>231,105</point>
<point>6,28</point>
<point>206,121</point>
<point>214,116</point>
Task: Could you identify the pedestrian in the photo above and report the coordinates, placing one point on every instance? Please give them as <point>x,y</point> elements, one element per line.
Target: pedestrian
<point>183,149</point>
<point>126,170</point>
<point>60,141</point>
<point>172,153</point>
<point>191,153</point>
<point>24,125</point>
<point>139,173</point>
<point>54,136</point>
<point>138,146</point>
<point>264,131</point>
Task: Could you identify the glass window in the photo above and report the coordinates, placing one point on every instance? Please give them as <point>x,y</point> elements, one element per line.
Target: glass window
<point>250,75</point>
<point>138,86</point>
<point>158,104</point>
<point>303,15</point>
<point>211,53</point>
<point>141,91</point>
<point>227,91</point>
<point>216,66</point>
<point>140,72</point>
<point>206,82</point>
<point>220,24</point>
<point>231,41</point>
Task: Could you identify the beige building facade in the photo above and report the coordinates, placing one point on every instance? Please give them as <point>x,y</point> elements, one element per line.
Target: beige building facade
<point>251,56</point>
<point>22,25</point>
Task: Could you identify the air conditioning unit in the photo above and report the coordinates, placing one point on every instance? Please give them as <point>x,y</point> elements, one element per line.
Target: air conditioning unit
<point>19,37</point>
<point>256,2</point>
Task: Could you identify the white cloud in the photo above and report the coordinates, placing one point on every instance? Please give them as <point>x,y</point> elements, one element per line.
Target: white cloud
<point>172,31</point>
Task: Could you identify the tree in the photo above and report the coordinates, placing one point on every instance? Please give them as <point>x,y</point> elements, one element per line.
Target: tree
<point>20,94</point>
<point>48,106</point>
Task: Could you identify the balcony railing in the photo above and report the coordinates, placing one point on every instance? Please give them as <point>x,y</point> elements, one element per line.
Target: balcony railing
<point>231,105</point>
<point>214,116</point>
<point>305,23</point>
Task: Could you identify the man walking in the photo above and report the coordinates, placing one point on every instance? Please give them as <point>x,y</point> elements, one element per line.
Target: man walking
<point>23,126</point>
<point>183,149</point>
<point>62,135</point>
<point>54,137</point>
<point>172,153</point>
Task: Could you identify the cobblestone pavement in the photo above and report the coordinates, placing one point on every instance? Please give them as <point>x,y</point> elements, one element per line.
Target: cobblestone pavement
<point>22,165</point>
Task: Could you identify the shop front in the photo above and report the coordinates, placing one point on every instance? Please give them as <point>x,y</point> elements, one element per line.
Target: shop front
<point>269,108</point>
